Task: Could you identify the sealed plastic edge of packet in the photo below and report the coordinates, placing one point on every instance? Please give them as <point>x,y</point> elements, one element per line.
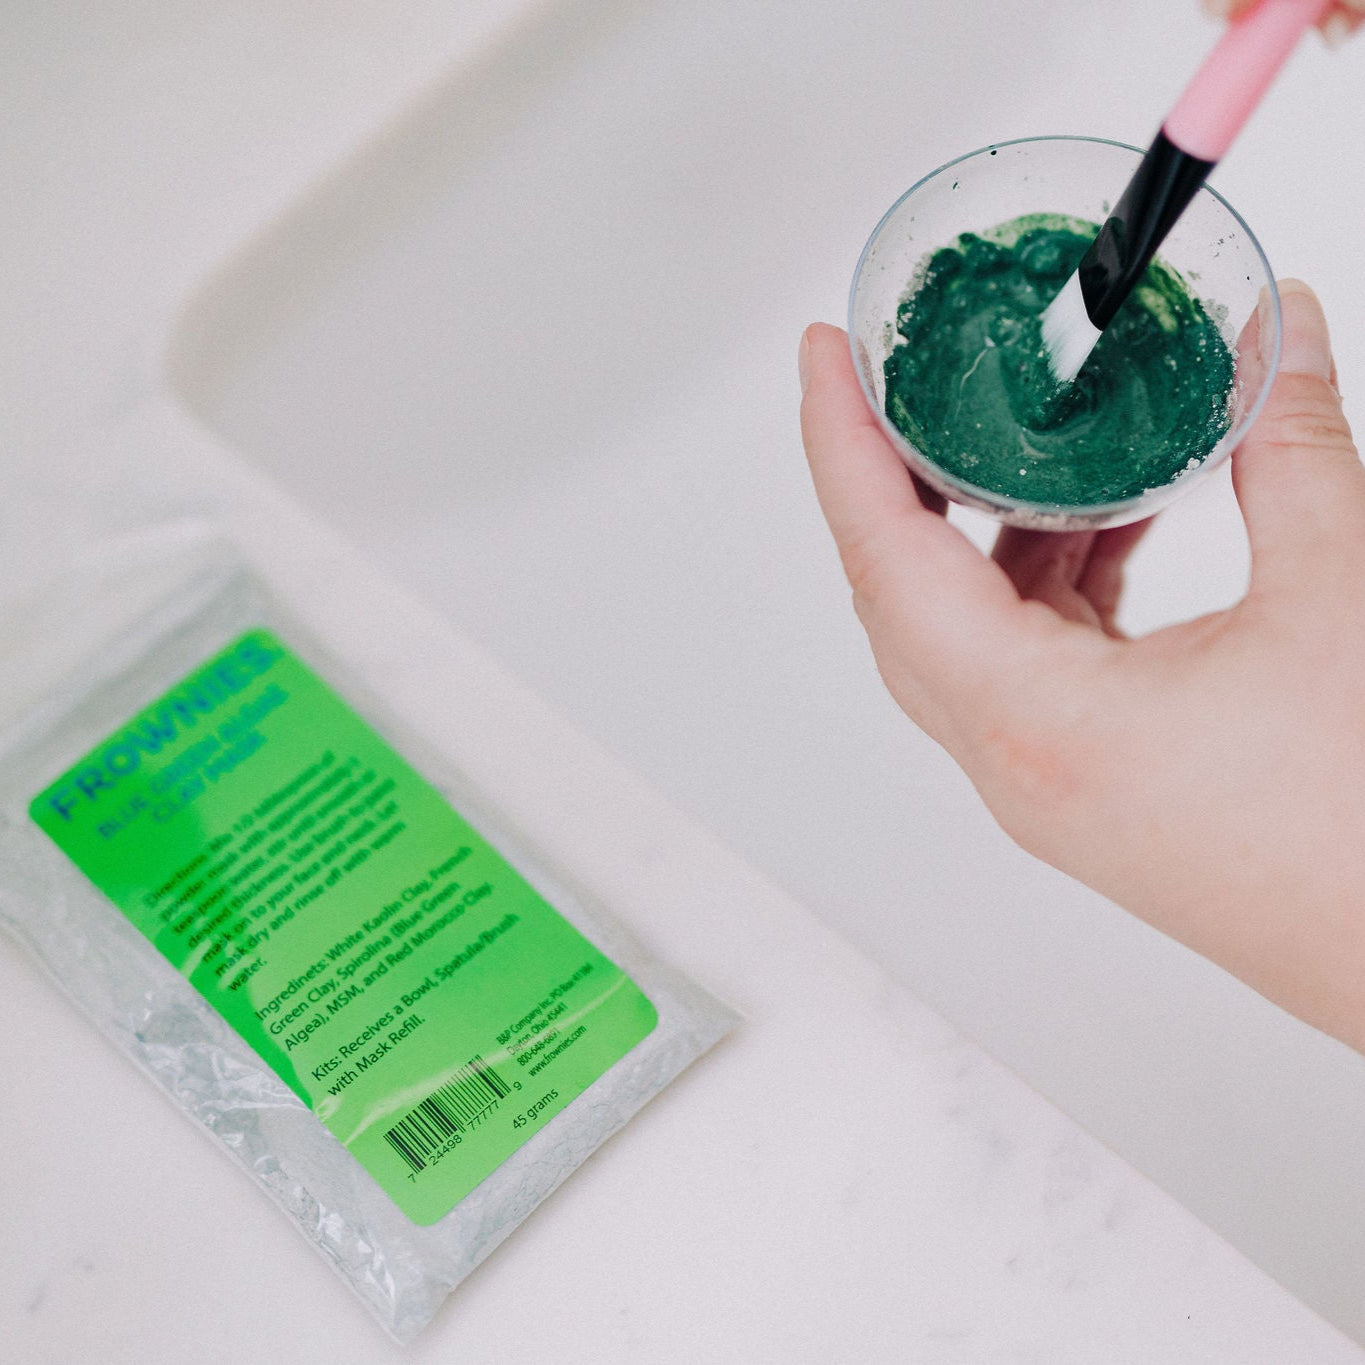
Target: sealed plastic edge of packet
<point>294,915</point>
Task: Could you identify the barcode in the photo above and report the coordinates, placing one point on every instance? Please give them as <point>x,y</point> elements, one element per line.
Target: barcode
<point>446,1113</point>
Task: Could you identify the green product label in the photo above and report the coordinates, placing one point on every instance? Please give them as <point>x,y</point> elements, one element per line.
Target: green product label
<point>383,959</point>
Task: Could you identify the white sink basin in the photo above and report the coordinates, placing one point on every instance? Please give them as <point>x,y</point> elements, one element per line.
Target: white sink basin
<point>534,350</point>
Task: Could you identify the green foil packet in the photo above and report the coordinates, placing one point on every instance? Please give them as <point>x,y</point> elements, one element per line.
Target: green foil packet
<point>297,920</point>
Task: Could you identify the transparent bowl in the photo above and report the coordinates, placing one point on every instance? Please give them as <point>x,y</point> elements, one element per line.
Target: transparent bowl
<point>1212,248</point>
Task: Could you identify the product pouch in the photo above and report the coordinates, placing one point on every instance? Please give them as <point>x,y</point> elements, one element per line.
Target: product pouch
<point>302,922</point>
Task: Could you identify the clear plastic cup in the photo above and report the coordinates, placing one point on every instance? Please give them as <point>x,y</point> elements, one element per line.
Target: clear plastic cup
<point>1212,248</point>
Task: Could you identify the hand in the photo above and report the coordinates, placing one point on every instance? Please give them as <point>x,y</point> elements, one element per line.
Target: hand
<point>1209,777</point>
<point>1342,19</point>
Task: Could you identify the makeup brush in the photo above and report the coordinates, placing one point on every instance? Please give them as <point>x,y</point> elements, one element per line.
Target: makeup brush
<point>1195,135</point>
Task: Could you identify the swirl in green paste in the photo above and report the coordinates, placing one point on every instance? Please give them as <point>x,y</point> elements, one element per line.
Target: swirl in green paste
<point>968,382</point>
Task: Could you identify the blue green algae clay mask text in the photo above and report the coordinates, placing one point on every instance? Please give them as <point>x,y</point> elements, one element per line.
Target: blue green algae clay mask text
<point>968,382</point>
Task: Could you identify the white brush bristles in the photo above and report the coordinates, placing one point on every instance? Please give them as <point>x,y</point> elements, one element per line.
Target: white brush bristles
<point>1068,334</point>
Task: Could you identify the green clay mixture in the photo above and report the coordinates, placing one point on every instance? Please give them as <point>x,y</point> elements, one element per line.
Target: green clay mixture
<point>968,382</point>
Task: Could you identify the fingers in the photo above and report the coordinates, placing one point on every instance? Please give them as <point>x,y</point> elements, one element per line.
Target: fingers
<point>1101,584</point>
<point>1078,574</point>
<point>1298,478</point>
<point>864,487</point>
<point>943,620</point>
<point>1046,566</point>
<point>1231,9</point>
<point>935,502</point>
<point>1339,23</point>
<point>1341,20</point>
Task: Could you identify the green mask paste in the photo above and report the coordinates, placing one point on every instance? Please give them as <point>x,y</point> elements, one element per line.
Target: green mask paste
<point>968,382</point>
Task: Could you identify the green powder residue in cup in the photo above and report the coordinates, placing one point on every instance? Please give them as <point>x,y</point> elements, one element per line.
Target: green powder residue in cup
<point>968,383</point>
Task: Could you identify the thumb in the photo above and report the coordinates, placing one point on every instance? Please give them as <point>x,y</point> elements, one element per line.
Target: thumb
<point>1298,478</point>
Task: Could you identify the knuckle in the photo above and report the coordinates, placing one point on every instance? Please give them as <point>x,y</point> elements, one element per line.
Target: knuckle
<point>1031,780</point>
<point>1306,415</point>
<point>1044,749</point>
<point>863,569</point>
<point>1030,762</point>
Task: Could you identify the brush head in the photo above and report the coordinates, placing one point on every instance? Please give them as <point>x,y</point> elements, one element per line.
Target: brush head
<point>1068,334</point>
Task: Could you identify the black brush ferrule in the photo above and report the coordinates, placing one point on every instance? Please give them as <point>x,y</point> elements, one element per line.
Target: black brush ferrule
<point>1159,192</point>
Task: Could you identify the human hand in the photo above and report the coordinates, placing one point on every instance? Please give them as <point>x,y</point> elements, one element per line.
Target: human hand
<point>1341,19</point>
<point>1209,777</point>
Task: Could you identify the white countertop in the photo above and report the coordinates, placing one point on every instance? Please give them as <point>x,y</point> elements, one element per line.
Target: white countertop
<point>929,1208</point>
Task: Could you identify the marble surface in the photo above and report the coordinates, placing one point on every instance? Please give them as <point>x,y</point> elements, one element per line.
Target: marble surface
<point>844,1178</point>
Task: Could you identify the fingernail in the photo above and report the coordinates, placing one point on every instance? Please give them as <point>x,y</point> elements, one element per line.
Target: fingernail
<point>1265,325</point>
<point>1305,347</point>
<point>1336,28</point>
<point>803,361</point>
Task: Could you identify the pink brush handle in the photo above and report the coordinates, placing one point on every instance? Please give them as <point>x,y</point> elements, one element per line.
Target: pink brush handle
<point>1224,91</point>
